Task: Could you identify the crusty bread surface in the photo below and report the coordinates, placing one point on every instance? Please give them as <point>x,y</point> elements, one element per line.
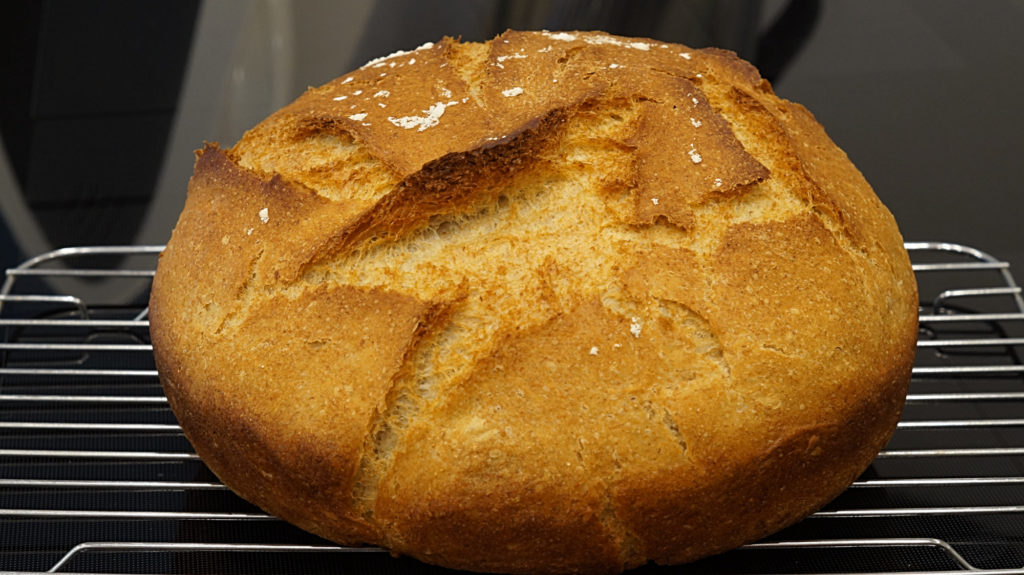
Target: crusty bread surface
<point>558,302</point>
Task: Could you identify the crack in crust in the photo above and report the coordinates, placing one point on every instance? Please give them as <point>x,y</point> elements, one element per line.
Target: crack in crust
<point>243,299</point>
<point>410,387</point>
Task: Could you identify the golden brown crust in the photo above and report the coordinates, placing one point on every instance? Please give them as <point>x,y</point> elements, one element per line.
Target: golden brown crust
<point>560,302</point>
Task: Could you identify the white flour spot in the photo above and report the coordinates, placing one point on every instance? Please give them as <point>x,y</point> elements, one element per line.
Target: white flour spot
<point>694,156</point>
<point>605,40</point>
<point>265,215</point>
<point>511,57</point>
<point>512,92</point>
<point>377,62</point>
<point>358,117</point>
<point>635,326</point>
<point>430,118</point>
<point>561,36</point>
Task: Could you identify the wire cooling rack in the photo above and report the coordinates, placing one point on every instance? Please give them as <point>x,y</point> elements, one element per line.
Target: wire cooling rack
<point>96,476</point>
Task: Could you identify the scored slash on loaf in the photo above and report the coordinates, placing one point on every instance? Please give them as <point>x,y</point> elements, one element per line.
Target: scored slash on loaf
<point>557,302</point>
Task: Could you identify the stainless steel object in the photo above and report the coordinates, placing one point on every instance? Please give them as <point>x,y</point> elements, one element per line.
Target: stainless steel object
<point>96,476</point>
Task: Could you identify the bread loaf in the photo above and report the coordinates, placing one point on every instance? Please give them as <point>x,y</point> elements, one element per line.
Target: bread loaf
<point>557,302</point>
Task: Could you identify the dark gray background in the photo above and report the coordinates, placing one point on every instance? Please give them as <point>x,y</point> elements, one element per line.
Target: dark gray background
<point>103,102</point>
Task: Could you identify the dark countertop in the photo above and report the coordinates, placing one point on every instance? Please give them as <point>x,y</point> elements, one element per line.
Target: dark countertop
<point>924,95</point>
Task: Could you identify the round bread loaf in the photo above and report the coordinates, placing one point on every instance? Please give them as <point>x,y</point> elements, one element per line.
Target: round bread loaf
<point>557,302</point>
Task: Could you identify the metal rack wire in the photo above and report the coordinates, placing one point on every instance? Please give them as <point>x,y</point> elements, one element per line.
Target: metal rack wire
<point>96,476</point>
